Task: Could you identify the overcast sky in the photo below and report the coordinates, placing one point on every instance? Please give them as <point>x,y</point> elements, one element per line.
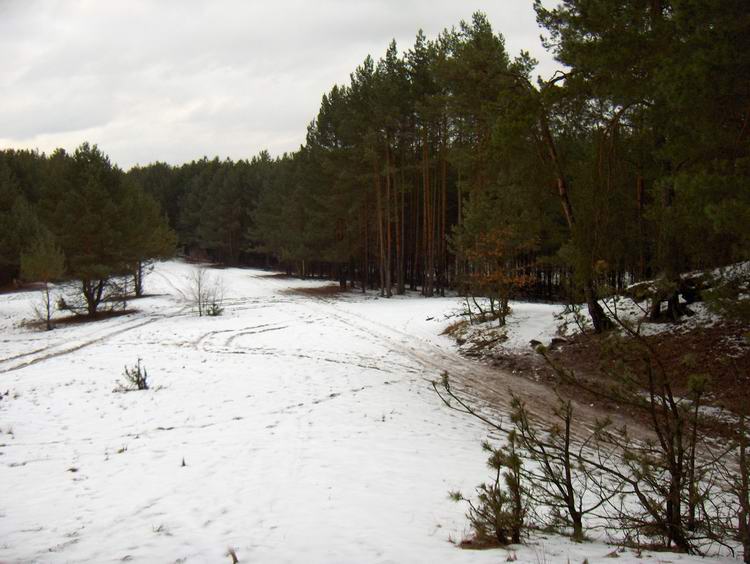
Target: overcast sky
<point>174,80</point>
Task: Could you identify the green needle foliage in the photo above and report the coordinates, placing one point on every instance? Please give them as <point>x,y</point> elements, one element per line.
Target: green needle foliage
<point>83,211</point>
<point>630,164</point>
<point>44,262</point>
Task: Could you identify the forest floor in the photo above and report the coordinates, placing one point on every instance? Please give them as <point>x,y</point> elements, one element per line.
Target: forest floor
<point>301,425</point>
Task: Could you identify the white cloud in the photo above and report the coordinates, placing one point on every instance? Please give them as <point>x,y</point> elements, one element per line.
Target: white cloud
<point>175,80</point>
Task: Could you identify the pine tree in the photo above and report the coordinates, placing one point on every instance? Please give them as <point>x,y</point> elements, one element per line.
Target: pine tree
<point>92,221</point>
<point>44,262</point>
<point>19,224</point>
<point>147,237</point>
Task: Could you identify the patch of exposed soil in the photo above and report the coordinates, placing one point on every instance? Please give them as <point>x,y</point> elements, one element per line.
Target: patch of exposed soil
<point>78,319</point>
<point>318,291</point>
<point>721,352</point>
<point>275,275</point>
<point>143,296</point>
<point>14,288</point>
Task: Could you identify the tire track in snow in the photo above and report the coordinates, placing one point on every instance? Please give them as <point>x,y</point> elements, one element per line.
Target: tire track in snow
<point>486,386</point>
<point>60,349</point>
<point>265,328</point>
<point>22,355</point>
<point>200,343</point>
<point>205,342</point>
<point>67,350</point>
<point>476,381</point>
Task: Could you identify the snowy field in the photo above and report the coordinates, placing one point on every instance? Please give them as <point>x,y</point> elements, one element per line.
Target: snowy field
<point>308,428</point>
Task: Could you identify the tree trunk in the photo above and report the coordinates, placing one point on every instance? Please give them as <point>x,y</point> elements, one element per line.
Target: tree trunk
<point>138,279</point>
<point>427,285</point>
<point>400,242</point>
<point>47,297</point>
<point>742,490</point>
<point>692,486</point>
<point>640,202</point>
<point>92,293</point>
<point>675,531</point>
<point>388,231</point>
<point>443,266</point>
<point>598,318</point>
<point>381,239</point>
<point>365,251</point>
<point>417,238</point>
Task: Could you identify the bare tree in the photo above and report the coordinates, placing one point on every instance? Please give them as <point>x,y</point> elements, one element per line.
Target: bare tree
<point>662,473</point>
<point>562,480</point>
<point>741,489</point>
<point>734,474</point>
<point>206,292</point>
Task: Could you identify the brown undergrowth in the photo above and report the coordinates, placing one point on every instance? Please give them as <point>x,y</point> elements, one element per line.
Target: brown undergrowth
<point>721,352</point>
<point>80,319</point>
<point>318,291</point>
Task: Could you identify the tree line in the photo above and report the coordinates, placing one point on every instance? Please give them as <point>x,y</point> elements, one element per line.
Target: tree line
<point>450,165</point>
<point>77,217</point>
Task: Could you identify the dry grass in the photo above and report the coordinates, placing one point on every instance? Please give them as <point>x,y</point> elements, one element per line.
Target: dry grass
<point>721,352</point>
<point>472,543</point>
<point>456,328</point>
<point>276,275</point>
<point>79,319</point>
<point>327,291</point>
<point>11,288</point>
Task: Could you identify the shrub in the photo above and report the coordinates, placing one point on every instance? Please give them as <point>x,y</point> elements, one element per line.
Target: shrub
<point>206,293</point>
<point>497,516</point>
<point>214,309</point>
<point>135,378</point>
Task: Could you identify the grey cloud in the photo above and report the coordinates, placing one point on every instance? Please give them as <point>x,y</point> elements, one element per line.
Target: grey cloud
<point>174,80</point>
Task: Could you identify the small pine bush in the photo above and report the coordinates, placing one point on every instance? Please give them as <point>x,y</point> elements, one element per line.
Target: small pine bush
<point>497,517</point>
<point>214,309</point>
<point>136,378</point>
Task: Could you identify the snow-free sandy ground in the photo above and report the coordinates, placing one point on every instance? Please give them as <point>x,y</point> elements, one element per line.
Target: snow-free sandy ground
<point>308,427</point>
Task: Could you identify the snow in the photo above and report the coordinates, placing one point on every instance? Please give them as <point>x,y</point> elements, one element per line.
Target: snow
<point>635,315</point>
<point>308,429</point>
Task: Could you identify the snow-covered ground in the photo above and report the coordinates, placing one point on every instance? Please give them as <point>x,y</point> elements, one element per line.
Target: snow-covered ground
<point>308,429</point>
<point>635,313</point>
